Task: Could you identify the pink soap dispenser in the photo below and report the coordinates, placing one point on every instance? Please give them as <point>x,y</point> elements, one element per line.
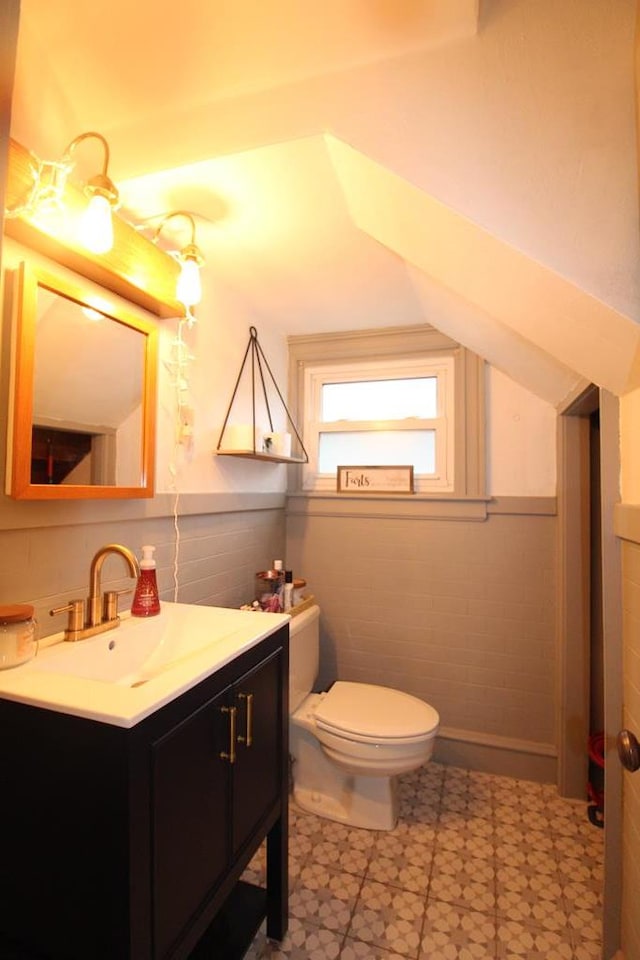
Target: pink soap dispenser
<point>146,602</point>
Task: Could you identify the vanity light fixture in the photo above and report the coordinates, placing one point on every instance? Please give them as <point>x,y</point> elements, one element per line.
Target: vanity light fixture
<point>189,286</point>
<point>44,197</point>
<point>96,227</point>
<point>43,208</point>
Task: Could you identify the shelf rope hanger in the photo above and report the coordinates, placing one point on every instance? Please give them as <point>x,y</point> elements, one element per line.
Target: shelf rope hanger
<point>258,359</point>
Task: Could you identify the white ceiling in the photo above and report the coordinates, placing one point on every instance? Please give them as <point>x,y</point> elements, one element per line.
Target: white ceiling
<point>125,60</point>
<point>271,220</point>
<point>236,111</point>
<point>274,224</point>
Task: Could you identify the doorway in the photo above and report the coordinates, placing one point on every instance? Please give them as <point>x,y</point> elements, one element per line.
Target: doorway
<point>590,618</point>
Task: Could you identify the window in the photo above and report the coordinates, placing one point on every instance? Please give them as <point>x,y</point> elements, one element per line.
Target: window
<point>405,395</point>
<point>398,411</point>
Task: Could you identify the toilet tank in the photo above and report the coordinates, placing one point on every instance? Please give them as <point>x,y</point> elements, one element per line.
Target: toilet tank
<point>304,653</point>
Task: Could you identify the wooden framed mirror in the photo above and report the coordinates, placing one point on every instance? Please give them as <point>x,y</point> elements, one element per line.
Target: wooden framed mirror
<point>83,400</point>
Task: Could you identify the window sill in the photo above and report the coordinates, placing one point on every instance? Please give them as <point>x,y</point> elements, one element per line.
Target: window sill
<point>416,506</point>
<point>389,505</point>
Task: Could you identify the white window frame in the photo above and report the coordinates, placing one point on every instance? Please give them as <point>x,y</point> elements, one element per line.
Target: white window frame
<point>438,365</point>
<point>351,347</point>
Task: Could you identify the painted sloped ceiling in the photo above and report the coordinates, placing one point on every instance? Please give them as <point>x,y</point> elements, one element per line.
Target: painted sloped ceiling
<point>363,164</point>
<point>522,295</point>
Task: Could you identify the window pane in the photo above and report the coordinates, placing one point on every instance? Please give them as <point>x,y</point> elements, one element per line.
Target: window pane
<point>378,448</point>
<point>380,399</point>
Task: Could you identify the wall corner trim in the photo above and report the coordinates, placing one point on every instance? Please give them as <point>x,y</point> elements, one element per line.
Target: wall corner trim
<point>20,515</point>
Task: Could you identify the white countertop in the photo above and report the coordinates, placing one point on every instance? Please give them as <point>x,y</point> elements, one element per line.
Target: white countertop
<point>164,655</point>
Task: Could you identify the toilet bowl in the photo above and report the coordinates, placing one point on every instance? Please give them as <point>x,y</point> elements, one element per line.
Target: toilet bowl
<point>348,745</point>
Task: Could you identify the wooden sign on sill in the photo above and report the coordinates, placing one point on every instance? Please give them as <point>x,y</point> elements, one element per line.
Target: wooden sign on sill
<point>378,479</point>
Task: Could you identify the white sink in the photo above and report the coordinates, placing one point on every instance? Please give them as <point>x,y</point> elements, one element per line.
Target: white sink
<point>140,649</point>
<point>125,674</point>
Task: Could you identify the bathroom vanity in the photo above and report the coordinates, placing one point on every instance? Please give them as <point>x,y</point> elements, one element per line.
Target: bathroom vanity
<point>131,807</point>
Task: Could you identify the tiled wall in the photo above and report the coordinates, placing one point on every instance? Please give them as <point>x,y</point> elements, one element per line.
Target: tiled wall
<point>219,554</point>
<point>631,720</point>
<point>458,613</point>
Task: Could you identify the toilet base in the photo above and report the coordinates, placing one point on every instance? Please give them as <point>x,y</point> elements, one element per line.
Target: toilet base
<point>323,788</point>
<point>367,802</point>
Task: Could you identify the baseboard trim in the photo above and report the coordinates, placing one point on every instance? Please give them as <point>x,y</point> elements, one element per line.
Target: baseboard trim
<point>504,756</point>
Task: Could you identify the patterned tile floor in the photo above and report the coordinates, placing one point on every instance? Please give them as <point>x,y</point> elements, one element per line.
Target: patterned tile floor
<point>479,866</point>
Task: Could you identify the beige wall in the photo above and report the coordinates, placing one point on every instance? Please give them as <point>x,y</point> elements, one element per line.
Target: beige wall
<point>521,434</point>
<point>459,613</point>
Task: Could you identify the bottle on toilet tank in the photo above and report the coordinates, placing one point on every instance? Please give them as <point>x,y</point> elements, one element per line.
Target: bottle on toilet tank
<point>287,591</point>
<point>146,602</point>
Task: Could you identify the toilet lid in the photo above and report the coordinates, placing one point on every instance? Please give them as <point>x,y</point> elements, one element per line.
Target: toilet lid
<point>369,712</point>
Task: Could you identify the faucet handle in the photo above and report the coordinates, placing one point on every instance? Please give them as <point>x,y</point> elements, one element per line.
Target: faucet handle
<point>76,614</point>
<point>111,602</point>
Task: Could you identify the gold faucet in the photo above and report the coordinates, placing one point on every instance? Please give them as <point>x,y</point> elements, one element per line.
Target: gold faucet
<point>102,611</point>
<point>96,602</point>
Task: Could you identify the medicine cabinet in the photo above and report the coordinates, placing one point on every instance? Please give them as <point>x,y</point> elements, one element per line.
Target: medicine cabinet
<point>83,397</point>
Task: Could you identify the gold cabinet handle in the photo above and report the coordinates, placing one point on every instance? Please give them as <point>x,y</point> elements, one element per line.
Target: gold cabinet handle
<point>231,755</point>
<point>248,738</point>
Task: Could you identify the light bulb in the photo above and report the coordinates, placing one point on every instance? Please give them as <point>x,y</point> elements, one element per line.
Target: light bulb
<point>96,225</point>
<point>189,287</point>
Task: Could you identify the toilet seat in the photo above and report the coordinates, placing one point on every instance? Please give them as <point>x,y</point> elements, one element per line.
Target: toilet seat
<point>368,713</point>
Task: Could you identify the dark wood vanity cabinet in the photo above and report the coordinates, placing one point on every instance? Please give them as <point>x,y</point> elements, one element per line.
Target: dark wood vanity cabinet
<point>128,844</point>
<point>213,755</point>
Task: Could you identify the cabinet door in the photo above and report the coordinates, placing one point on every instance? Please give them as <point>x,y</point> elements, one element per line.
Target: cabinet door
<point>190,828</point>
<point>258,766</point>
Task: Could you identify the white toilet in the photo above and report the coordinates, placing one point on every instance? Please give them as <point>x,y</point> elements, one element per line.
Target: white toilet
<point>348,745</point>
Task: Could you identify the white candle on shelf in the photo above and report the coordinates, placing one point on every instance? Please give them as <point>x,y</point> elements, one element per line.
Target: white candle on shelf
<point>239,436</point>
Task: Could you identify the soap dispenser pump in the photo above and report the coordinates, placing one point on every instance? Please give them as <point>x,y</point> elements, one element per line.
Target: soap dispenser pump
<point>146,602</point>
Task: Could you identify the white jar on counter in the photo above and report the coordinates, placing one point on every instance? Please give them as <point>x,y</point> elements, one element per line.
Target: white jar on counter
<point>18,635</point>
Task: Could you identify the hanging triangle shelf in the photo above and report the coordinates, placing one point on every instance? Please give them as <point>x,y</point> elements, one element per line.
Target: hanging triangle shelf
<point>249,446</point>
